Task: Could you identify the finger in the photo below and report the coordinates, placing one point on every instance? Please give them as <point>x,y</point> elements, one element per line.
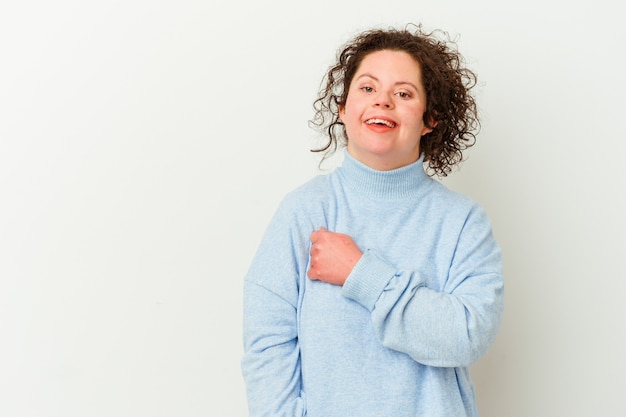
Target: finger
<point>315,236</point>
<point>312,274</point>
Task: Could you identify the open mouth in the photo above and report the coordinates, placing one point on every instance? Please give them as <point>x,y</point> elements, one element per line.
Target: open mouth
<point>380,122</point>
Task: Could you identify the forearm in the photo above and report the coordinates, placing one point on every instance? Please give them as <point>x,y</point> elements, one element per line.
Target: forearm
<point>434,328</point>
<point>271,361</point>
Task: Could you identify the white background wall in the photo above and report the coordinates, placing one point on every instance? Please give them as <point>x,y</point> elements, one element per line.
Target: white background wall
<point>145,144</point>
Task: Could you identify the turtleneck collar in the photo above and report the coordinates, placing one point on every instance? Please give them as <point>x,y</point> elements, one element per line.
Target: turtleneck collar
<point>406,181</point>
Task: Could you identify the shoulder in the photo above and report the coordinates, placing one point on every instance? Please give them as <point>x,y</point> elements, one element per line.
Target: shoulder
<point>306,201</point>
<point>452,200</point>
<point>316,189</point>
<point>456,209</point>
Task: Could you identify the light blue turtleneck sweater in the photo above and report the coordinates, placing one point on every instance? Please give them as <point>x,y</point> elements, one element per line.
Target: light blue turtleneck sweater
<point>422,304</point>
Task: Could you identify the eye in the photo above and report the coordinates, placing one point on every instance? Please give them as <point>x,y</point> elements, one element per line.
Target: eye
<point>403,94</point>
<point>367,89</point>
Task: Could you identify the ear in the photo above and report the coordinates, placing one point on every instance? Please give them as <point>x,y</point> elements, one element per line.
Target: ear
<point>427,129</point>
<point>342,111</point>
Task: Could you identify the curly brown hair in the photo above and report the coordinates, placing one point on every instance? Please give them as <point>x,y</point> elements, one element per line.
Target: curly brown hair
<point>451,110</point>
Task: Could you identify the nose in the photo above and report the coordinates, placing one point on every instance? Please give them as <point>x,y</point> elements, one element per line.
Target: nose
<point>383,100</point>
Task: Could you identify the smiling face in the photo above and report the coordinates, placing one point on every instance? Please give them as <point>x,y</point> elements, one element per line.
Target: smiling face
<point>383,113</point>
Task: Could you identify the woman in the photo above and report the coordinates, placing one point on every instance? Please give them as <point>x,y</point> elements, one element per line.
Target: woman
<point>375,287</point>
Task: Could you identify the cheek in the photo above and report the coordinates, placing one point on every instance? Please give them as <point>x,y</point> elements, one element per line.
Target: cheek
<point>348,115</point>
<point>417,114</point>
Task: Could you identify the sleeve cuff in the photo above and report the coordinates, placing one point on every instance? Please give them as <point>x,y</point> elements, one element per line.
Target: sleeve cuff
<point>368,279</point>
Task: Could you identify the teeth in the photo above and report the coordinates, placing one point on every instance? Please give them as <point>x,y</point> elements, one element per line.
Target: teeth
<point>380,122</point>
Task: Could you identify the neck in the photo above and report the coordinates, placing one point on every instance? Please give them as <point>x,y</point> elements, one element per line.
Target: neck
<point>406,181</point>
<point>383,162</point>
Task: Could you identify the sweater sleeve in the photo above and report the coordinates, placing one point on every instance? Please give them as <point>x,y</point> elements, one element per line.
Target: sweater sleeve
<point>446,328</point>
<point>271,360</point>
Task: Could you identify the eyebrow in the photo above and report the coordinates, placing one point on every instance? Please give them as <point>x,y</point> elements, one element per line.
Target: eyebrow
<point>397,83</point>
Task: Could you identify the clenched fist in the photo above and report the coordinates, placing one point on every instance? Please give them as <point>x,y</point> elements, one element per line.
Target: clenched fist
<point>333,256</point>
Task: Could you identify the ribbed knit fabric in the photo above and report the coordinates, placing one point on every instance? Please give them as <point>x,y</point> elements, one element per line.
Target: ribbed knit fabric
<point>423,303</point>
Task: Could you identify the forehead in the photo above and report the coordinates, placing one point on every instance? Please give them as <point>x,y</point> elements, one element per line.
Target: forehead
<point>390,63</point>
